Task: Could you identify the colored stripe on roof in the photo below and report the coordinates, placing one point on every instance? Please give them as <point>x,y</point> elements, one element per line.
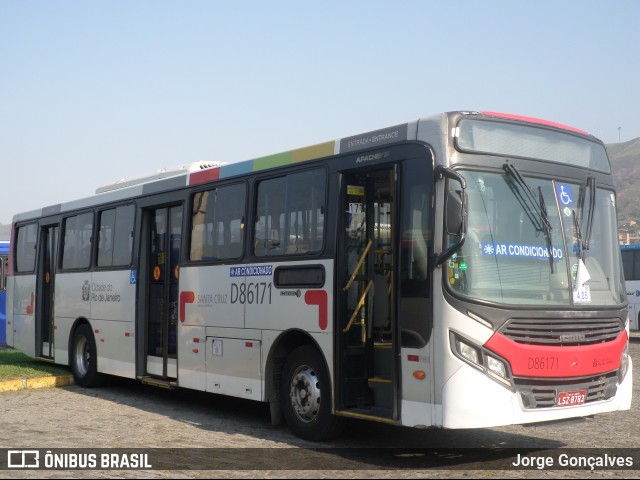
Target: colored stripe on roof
<point>203,176</point>
<point>272,161</point>
<point>236,169</point>
<point>263,163</point>
<point>315,151</point>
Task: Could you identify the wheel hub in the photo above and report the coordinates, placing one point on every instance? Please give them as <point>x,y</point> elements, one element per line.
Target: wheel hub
<point>305,393</point>
<point>82,357</point>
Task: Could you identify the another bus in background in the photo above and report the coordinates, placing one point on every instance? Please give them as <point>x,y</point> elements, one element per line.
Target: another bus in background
<point>4,254</point>
<point>631,265</point>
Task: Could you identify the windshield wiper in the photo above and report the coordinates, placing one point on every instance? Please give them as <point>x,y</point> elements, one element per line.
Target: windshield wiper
<point>547,232</point>
<point>533,207</point>
<point>584,241</point>
<point>536,209</point>
<point>591,186</point>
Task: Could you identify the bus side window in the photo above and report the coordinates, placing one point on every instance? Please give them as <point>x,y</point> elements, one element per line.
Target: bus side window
<point>270,212</point>
<point>290,214</point>
<point>217,223</point>
<point>416,252</point>
<point>414,305</point>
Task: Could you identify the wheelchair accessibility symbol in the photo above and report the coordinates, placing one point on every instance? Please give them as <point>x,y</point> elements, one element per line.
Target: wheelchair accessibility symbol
<point>563,190</point>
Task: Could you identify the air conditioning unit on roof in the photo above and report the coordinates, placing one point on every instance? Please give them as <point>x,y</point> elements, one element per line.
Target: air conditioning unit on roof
<point>158,175</point>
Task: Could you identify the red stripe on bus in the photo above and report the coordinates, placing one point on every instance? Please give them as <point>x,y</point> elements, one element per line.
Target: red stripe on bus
<point>185,297</point>
<point>204,176</point>
<point>567,361</point>
<point>320,298</point>
<point>535,120</point>
<point>29,308</point>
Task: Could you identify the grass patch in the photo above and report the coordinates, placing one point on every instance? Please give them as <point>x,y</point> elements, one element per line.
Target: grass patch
<point>15,365</point>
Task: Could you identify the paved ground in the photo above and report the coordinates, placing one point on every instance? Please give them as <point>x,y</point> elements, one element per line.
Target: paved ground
<point>238,436</point>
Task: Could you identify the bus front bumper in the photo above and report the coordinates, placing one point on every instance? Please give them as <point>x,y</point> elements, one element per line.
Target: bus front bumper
<point>470,399</point>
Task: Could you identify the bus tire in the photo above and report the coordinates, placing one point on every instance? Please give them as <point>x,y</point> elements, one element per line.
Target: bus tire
<point>306,396</point>
<point>84,358</point>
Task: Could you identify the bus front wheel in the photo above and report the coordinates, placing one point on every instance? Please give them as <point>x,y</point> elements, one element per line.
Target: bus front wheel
<point>84,358</point>
<point>306,396</point>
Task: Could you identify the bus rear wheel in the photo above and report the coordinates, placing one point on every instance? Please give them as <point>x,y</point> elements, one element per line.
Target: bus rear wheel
<point>306,396</point>
<point>84,358</point>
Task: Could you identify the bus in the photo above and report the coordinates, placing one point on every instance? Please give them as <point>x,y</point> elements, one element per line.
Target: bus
<point>631,267</point>
<point>460,270</point>
<point>4,256</point>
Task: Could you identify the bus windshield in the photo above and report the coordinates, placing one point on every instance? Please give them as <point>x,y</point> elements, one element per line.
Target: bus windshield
<point>537,241</point>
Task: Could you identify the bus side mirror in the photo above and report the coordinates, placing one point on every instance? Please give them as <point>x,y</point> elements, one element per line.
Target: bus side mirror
<point>455,213</point>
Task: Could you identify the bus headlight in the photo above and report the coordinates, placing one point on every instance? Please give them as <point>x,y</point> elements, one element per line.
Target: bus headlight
<point>468,352</point>
<point>482,359</point>
<point>496,367</point>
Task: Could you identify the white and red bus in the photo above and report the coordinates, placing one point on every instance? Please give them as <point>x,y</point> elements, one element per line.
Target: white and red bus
<point>631,267</point>
<point>460,270</point>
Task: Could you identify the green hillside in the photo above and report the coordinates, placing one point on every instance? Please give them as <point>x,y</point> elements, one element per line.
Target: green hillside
<point>625,163</point>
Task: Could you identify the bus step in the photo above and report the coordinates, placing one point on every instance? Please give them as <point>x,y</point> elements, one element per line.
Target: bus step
<point>382,392</point>
<point>379,381</point>
<point>357,393</point>
<point>355,364</point>
<point>45,359</point>
<point>383,360</point>
<point>159,382</point>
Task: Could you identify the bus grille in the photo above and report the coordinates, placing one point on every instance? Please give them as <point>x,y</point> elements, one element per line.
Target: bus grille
<point>542,393</point>
<point>562,331</point>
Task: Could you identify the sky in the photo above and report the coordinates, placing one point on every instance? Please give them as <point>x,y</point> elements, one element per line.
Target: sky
<point>91,92</point>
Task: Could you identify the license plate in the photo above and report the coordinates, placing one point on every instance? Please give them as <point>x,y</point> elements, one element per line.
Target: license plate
<point>566,399</point>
